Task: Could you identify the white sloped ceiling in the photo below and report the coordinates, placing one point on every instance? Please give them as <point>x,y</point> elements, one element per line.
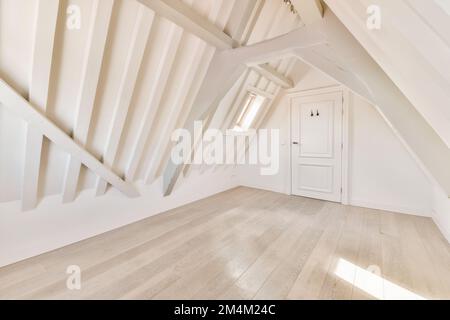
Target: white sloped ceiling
<point>117,86</point>
<point>412,47</point>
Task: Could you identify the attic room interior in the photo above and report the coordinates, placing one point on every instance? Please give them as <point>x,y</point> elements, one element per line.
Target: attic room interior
<point>224,150</point>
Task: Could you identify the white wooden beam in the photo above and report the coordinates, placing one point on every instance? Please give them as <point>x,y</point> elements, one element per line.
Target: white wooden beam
<point>163,137</point>
<point>25,110</point>
<point>200,76</point>
<point>93,57</point>
<point>228,117</point>
<point>139,37</point>
<point>188,19</point>
<point>260,92</point>
<point>309,10</point>
<point>273,75</point>
<point>158,86</point>
<point>253,20</point>
<point>44,35</point>
<point>225,69</point>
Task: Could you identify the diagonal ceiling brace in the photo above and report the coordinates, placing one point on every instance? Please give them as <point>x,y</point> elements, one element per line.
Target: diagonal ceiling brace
<point>187,18</point>
<point>22,108</point>
<point>225,69</point>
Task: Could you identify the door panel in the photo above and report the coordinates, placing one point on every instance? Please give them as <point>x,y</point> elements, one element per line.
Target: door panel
<point>316,177</point>
<point>316,129</point>
<point>316,146</point>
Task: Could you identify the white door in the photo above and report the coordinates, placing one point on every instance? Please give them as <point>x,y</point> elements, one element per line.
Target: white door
<point>317,146</point>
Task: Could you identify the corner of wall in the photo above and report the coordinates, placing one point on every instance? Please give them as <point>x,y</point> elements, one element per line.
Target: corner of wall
<point>441,212</point>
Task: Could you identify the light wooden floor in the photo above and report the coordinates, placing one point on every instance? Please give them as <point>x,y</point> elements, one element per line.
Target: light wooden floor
<point>248,244</point>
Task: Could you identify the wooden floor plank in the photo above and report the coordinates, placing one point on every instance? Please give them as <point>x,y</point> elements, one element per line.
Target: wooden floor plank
<point>247,244</point>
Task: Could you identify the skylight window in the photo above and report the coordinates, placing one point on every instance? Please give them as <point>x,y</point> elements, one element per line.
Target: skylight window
<point>249,112</point>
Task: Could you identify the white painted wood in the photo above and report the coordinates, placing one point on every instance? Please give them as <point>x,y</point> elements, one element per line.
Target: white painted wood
<point>44,34</point>
<point>157,90</point>
<point>217,13</point>
<point>345,146</point>
<point>428,56</point>
<point>273,75</point>
<point>25,110</point>
<point>188,19</point>
<point>207,57</point>
<point>93,57</point>
<point>260,92</point>
<point>316,126</point>
<point>309,10</point>
<point>364,77</point>
<point>169,125</point>
<point>144,21</point>
<point>226,67</point>
<point>251,22</point>
<point>239,18</point>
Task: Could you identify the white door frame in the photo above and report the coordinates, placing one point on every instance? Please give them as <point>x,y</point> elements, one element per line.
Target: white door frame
<point>345,133</point>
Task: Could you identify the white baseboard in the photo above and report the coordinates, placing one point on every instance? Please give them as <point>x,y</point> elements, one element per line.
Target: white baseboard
<point>276,190</point>
<point>392,208</point>
<point>441,226</point>
<point>53,225</point>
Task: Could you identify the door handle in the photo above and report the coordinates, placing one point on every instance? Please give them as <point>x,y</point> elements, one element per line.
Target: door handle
<point>295,142</point>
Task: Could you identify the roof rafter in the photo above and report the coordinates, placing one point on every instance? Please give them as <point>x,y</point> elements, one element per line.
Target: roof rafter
<point>225,69</point>
<point>44,35</point>
<point>163,137</point>
<point>272,74</point>
<point>25,110</point>
<point>98,32</point>
<point>135,54</point>
<point>158,86</point>
<point>309,10</point>
<point>187,18</point>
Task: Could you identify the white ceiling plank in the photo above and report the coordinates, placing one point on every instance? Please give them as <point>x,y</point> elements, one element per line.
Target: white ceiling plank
<point>163,137</point>
<point>156,92</point>
<point>235,25</point>
<point>25,110</point>
<point>273,75</point>
<point>310,11</point>
<point>139,37</point>
<point>188,19</point>
<point>44,35</point>
<point>200,76</point>
<point>250,26</point>
<point>427,58</point>
<point>217,14</point>
<point>93,57</point>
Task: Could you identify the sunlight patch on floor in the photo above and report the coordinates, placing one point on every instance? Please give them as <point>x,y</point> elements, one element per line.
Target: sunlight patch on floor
<point>372,283</point>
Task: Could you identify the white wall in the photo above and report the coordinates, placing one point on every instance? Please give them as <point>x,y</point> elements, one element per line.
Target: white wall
<point>53,225</point>
<point>441,212</point>
<point>382,174</point>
